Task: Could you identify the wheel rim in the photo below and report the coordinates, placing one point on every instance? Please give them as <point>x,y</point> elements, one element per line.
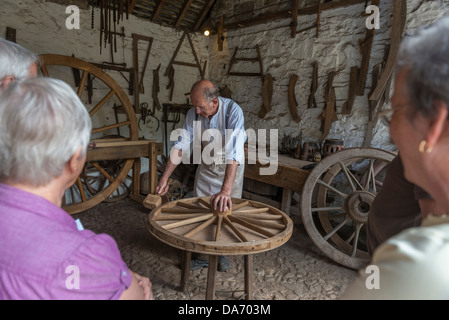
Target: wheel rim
<point>191,224</point>
<point>96,183</point>
<point>336,202</point>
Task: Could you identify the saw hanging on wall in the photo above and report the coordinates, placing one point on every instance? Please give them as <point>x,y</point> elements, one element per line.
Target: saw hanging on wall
<point>329,114</point>
<point>267,79</point>
<point>292,103</point>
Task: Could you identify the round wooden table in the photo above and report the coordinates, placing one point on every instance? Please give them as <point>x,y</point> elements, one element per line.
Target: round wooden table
<point>193,226</point>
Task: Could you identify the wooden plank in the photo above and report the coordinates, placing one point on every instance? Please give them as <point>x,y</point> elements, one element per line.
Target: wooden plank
<point>289,174</point>
<point>118,150</point>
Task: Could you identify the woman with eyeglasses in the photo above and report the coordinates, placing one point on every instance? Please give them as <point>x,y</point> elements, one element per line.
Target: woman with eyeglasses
<point>413,264</point>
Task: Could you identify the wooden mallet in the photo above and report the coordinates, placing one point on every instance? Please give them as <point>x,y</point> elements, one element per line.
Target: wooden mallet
<point>155,200</point>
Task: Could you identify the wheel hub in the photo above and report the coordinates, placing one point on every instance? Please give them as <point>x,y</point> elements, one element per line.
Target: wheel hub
<point>358,205</point>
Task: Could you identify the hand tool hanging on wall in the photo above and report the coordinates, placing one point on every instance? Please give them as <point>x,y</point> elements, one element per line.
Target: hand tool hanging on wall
<point>186,64</point>
<point>397,30</point>
<point>329,114</point>
<point>352,91</point>
<point>267,94</point>
<point>366,46</point>
<point>318,19</point>
<point>138,84</point>
<point>292,103</point>
<point>146,112</point>
<point>156,88</point>
<point>111,13</point>
<point>311,103</point>
<point>171,82</point>
<point>294,22</point>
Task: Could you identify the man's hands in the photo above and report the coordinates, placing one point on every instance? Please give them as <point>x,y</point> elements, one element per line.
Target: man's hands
<point>162,187</point>
<point>221,201</point>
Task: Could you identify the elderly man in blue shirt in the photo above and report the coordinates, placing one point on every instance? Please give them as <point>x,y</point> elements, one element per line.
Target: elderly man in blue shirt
<point>216,124</point>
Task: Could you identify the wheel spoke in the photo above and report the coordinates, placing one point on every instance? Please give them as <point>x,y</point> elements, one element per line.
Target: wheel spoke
<point>324,209</point>
<point>259,216</point>
<point>356,240</point>
<point>180,216</point>
<point>251,226</point>
<point>82,83</point>
<point>205,203</point>
<point>81,189</point>
<point>330,234</point>
<point>200,227</point>
<point>186,222</point>
<point>343,195</point>
<point>240,236</point>
<point>252,211</point>
<point>350,177</point>
<point>218,230</point>
<point>112,126</point>
<point>101,103</point>
<point>267,224</point>
<point>102,171</point>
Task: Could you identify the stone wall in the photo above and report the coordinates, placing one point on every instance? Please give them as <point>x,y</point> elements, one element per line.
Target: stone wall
<point>41,28</point>
<point>336,49</point>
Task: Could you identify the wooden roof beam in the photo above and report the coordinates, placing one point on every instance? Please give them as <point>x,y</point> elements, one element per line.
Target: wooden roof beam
<point>288,14</point>
<point>203,15</point>
<point>131,6</point>
<point>184,10</point>
<point>158,10</point>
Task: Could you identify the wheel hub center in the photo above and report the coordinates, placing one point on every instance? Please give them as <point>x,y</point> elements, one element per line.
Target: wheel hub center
<point>358,205</point>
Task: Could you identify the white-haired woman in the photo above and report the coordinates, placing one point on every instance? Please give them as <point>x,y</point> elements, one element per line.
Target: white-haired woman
<point>16,63</point>
<point>44,134</point>
<point>413,264</point>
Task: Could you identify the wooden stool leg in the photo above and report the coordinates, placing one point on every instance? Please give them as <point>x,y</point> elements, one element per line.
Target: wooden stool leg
<point>210,290</point>
<point>249,276</point>
<point>185,269</point>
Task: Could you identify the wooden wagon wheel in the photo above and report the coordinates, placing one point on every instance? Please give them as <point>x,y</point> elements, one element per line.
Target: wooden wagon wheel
<point>191,224</point>
<point>336,201</point>
<point>97,183</point>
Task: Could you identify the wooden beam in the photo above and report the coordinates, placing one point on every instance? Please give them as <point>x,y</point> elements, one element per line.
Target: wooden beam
<point>184,10</point>
<point>287,14</point>
<point>294,22</point>
<point>203,15</point>
<point>131,6</point>
<point>158,10</point>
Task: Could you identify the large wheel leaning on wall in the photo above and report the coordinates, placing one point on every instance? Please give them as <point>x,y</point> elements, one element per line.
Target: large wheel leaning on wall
<point>336,201</point>
<point>100,180</point>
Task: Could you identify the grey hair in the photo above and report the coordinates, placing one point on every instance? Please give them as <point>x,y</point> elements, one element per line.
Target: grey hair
<point>210,92</point>
<point>425,56</point>
<point>43,124</point>
<point>15,60</point>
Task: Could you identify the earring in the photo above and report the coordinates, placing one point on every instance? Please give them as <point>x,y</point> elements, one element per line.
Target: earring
<point>423,148</point>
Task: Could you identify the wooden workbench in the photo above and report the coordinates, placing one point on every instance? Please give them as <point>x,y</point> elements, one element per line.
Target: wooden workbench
<point>290,176</point>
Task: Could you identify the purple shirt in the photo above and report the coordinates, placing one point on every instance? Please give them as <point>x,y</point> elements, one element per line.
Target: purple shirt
<point>44,256</point>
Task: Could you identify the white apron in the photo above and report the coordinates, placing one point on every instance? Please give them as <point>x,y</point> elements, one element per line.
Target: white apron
<point>209,178</point>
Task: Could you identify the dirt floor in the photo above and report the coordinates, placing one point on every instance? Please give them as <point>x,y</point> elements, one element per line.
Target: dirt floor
<point>297,270</point>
